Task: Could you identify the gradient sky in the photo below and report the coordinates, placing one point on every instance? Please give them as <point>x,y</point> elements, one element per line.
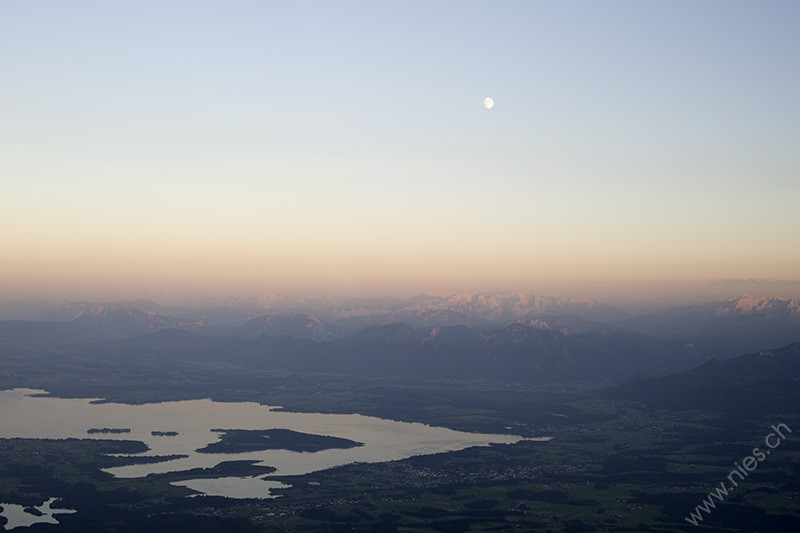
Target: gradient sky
<point>232,148</point>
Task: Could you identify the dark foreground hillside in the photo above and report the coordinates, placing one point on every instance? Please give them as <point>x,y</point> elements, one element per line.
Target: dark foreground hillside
<point>766,381</point>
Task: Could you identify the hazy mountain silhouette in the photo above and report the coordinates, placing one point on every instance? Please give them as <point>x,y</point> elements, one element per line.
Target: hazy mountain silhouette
<point>298,325</point>
<point>720,329</point>
<point>765,381</point>
<point>30,333</point>
<point>439,337</point>
<point>516,352</point>
<point>117,319</point>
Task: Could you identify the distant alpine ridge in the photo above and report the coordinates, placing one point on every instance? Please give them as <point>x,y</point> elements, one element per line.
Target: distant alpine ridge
<point>324,319</point>
<point>504,336</point>
<point>767,307</point>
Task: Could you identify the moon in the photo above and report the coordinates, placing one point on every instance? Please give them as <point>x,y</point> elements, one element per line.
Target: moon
<point>488,103</point>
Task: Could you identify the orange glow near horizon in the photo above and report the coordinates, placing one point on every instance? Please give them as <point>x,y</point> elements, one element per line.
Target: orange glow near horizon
<point>362,267</point>
<point>376,249</point>
<point>305,159</point>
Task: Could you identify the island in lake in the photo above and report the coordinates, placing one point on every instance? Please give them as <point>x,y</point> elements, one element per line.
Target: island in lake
<point>164,433</point>
<point>245,440</point>
<point>108,430</point>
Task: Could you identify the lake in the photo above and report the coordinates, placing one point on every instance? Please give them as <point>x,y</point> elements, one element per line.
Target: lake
<point>27,414</point>
<point>17,516</point>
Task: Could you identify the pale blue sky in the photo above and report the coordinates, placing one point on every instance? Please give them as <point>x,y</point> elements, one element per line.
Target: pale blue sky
<point>343,146</point>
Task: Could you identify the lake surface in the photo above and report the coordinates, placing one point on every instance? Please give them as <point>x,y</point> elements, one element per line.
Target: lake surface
<point>17,516</point>
<point>29,416</point>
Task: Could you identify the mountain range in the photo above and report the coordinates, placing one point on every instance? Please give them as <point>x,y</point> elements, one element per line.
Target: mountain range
<point>764,381</point>
<point>500,336</point>
<point>744,319</point>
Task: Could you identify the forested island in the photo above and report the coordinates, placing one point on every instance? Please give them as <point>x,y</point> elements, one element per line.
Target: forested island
<point>92,431</point>
<point>244,440</point>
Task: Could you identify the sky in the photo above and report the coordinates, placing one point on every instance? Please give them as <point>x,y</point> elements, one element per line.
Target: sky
<point>169,149</point>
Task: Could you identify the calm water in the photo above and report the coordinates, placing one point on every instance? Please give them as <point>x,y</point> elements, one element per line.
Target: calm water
<point>18,517</point>
<point>29,416</point>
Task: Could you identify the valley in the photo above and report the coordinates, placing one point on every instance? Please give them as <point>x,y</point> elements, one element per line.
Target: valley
<point>640,428</point>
